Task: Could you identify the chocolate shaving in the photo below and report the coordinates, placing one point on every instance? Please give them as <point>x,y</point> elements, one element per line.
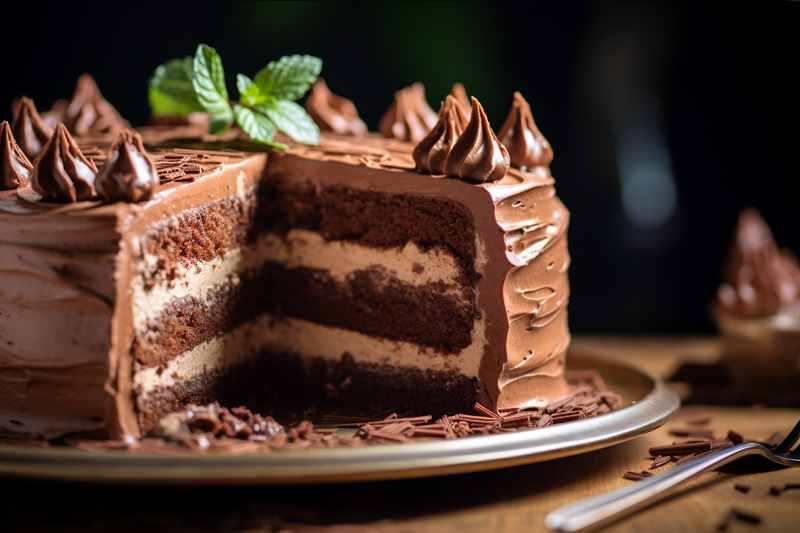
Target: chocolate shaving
<point>742,488</point>
<point>681,449</point>
<point>660,460</point>
<point>734,515</point>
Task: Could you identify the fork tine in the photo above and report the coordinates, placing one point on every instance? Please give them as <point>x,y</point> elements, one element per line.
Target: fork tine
<point>789,441</point>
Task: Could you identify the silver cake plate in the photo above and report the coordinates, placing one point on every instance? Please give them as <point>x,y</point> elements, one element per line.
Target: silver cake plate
<point>648,404</point>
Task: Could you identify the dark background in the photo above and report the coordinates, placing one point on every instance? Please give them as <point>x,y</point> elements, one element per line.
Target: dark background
<point>690,111</point>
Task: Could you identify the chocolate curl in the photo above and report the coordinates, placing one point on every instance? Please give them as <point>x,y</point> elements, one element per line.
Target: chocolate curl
<point>409,118</point>
<point>431,153</point>
<point>28,128</point>
<point>61,173</point>
<point>15,168</point>
<point>760,279</point>
<point>477,155</point>
<point>526,145</point>
<point>333,113</point>
<point>89,112</point>
<point>128,174</point>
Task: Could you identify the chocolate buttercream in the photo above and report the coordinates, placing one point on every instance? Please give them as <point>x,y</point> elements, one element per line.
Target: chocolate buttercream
<point>128,174</point>
<point>409,118</point>
<point>61,173</point>
<point>28,128</point>
<point>759,279</point>
<point>332,112</point>
<point>15,167</point>
<point>432,151</point>
<point>88,112</point>
<point>460,94</point>
<point>477,155</point>
<point>526,145</point>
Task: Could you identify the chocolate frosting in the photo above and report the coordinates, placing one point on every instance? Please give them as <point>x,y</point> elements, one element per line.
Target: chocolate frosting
<point>128,174</point>
<point>432,151</point>
<point>28,128</point>
<point>333,113</point>
<point>526,145</point>
<point>477,155</point>
<point>61,173</point>
<point>759,279</point>
<point>15,166</point>
<point>460,94</point>
<point>409,118</point>
<point>88,112</point>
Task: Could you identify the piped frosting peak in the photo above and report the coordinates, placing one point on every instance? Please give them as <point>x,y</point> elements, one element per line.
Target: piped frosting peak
<point>460,94</point>
<point>759,279</point>
<point>28,128</point>
<point>332,112</point>
<point>409,118</point>
<point>88,112</point>
<point>430,154</point>
<point>15,166</point>
<point>61,173</point>
<point>526,145</point>
<point>477,155</point>
<point>128,174</point>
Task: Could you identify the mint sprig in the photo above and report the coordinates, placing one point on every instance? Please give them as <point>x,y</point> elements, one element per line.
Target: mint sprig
<point>266,102</point>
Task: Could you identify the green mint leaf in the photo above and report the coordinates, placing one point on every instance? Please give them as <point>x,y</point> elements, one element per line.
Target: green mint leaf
<point>256,125</point>
<point>290,118</point>
<point>209,83</point>
<point>170,90</point>
<point>289,78</point>
<point>248,91</point>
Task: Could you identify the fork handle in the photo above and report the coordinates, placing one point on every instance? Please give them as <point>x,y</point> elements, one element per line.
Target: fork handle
<point>606,508</point>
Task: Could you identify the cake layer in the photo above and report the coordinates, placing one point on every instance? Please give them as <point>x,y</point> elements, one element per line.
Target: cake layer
<point>293,340</point>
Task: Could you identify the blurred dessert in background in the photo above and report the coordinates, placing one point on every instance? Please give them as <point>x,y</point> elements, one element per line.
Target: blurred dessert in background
<point>757,308</point>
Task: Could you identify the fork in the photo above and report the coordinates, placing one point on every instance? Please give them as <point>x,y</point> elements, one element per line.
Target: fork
<point>604,509</point>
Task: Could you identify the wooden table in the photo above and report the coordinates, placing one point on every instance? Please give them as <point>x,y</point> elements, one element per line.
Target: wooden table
<point>513,499</point>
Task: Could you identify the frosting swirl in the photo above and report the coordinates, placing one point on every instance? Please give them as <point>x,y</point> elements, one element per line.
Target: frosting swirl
<point>88,112</point>
<point>28,128</point>
<point>460,94</point>
<point>526,145</point>
<point>128,174</point>
<point>15,166</point>
<point>332,112</point>
<point>432,151</point>
<point>409,118</point>
<point>61,173</point>
<point>760,279</point>
<point>477,155</point>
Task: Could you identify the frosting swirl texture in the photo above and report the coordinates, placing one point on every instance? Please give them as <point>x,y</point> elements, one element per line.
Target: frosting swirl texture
<point>409,118</point>
<point>332,112</point>
<point>28,128</point>
<point>526,145</point>
<point>759,279</point>
<point>15,167</point>
<point>431,153</point>
<point>128,174</point>
<point>61,173</point>
<point>88,112</point>
<point>477,155</point>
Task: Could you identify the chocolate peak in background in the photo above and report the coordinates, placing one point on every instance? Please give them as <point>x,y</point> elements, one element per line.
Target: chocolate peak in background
<point>431,153</point>
<point>61,173</point>
<point>460,94</point>
<point>15,167</point>
<point>477,154</point>
<point>332,112</point>
<point>759,279</point>
<point>28,128</point>
<point>128,174</point>
<point>409,118</point>
<point>526,145</point>
<point>88,112</point>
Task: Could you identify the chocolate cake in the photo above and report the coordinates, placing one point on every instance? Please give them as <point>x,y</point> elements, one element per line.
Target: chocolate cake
<point>363,271</point>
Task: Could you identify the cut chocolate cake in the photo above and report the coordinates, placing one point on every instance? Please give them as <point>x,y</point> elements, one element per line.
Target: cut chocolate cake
<point>346,272</point>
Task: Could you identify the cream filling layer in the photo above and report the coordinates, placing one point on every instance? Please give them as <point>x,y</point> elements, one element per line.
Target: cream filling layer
<point>339,259</point>
<point>308,340</point>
